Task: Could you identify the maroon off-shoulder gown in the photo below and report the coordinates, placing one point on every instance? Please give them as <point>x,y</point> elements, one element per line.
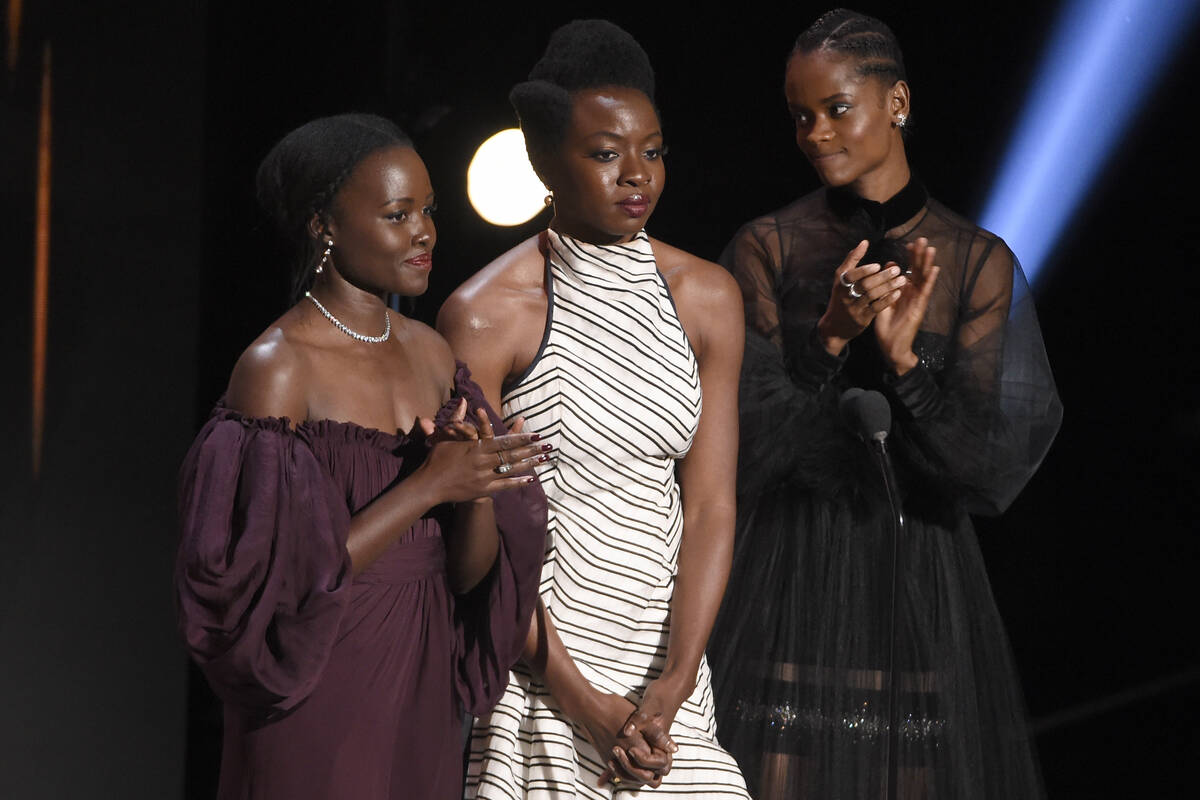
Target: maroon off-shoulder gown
<point>333,686</point>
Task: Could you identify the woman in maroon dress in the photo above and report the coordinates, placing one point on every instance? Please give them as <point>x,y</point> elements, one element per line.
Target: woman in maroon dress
<point>349,588</point>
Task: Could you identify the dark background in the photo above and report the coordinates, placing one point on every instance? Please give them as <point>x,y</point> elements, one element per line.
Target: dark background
<point>162,271</point>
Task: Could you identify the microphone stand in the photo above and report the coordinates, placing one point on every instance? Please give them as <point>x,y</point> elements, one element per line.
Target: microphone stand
<point>869,414</point>
<point>884,460</point>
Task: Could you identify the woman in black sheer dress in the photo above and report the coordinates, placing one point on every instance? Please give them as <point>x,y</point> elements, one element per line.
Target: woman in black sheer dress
<point>800,649</point>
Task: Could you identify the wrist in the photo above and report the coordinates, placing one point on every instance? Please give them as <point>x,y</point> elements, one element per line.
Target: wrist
<point>904,363</point>
<point>833,344</point>
<point>431,492</point>
<point>478,504</point>
<point>676,684</point>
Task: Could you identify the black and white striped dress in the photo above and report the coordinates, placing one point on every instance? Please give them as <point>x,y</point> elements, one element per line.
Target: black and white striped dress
<point>615,388</point>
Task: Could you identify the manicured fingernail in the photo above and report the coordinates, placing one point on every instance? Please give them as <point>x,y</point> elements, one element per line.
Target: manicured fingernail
<point>547,447</point>
<point>535,437</point>
<point>543,459</point>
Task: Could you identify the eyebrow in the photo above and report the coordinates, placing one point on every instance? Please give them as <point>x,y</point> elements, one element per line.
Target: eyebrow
<point>430,196</point>
<point>836,96</point>
<point>612,135</point>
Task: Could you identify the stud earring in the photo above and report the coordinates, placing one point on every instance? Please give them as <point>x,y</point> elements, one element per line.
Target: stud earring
<point>550,199</point>
<point>324,258</point>
<point>901,120</point>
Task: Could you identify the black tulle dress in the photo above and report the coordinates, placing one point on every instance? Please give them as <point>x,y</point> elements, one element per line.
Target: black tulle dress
<point>800,647</point>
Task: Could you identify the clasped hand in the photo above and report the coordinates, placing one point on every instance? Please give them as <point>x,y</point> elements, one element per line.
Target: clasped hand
<point>472,462</point>
<point>634,740</point>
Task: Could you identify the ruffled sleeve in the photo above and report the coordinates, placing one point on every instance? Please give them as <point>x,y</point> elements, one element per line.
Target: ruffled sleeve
<point>493,619</point>
<point>262,574</point>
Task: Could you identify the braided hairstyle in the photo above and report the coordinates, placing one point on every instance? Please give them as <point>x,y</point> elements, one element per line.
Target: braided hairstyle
<point>876,54</point>
<point>303,172</point>
<point>584,54</point>
<point>867,40</point>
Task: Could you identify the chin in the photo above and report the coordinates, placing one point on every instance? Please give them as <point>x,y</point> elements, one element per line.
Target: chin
<point>834,180</point>
<point>831,175</point>
<point>629,226</point>
<point>410,288</point>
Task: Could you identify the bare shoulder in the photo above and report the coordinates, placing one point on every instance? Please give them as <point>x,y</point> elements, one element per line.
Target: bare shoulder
<point>700,285</point>
<point>487,316</point>
<point>433,349</point>
<point>269,377</point>
<point>495,320</point>
<point>496,291</point>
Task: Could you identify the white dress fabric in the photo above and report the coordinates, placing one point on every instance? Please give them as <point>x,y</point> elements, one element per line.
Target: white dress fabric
<point>615,388</point>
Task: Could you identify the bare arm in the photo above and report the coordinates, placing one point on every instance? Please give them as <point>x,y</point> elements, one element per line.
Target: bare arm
<point>547,657</point>
<point>711,310</point>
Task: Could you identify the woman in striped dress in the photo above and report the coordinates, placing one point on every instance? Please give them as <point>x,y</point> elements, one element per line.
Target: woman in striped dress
<point>604,339</point>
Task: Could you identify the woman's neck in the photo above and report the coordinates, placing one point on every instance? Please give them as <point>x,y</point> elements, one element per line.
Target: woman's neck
<point>355,307</point>
<point>883,184</point>
<point>586,233</point>
<point>874,219</point>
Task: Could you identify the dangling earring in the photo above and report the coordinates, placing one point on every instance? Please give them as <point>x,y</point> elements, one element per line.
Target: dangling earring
<point>324,258</point>
<point>901,119</point>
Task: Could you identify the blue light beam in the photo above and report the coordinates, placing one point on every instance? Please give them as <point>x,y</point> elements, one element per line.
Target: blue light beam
<point>1099,66</point>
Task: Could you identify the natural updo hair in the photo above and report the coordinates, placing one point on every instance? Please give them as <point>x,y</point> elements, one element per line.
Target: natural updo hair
<point>584,54</point>
<point>303,172</point>
<point>868,40</point>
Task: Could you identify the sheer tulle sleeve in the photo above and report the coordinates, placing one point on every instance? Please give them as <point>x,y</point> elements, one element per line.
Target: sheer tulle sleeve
<point>789,428</point>
<point>980,428</point>
<point>493,619</point>
<point>262,571</point>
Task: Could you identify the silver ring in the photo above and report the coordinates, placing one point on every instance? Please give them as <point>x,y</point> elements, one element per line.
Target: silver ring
<point>845,281</point>
<point>503,468</point>
<point>854,292</point>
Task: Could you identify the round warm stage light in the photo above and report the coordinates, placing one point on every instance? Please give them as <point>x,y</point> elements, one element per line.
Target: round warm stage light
<point>501,184</point>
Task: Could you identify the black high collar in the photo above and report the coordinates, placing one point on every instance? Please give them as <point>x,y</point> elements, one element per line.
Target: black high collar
<point>880,217</point>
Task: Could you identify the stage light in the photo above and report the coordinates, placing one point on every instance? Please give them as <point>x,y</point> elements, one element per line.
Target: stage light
<point>501,184</point>
<point>1098,69</point>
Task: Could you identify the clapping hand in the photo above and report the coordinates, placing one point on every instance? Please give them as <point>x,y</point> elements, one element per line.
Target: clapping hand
<point>897,323</point>
<point>860,292</point>
<point>473,461</point>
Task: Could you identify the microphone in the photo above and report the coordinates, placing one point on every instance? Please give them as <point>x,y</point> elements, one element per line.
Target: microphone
<point>867,413</point>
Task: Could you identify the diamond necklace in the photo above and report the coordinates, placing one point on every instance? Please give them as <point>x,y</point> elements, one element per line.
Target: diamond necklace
<point>387,330</point>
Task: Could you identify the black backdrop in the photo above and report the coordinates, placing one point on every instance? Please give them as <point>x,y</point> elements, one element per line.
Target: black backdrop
<point>162,271</point>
